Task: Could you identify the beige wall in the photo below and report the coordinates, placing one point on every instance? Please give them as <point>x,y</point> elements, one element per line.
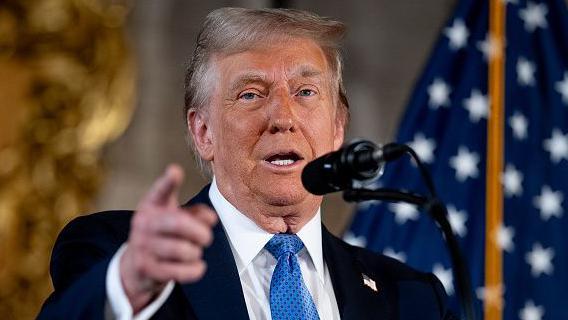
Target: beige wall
<point>386,48</point>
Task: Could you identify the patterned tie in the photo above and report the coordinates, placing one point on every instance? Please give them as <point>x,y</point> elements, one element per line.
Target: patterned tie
<point>289,297</point>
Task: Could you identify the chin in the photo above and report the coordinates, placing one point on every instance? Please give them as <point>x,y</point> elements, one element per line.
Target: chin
<point>283,193</point>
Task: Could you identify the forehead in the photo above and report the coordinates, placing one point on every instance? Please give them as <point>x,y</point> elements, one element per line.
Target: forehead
<point>295,57</point>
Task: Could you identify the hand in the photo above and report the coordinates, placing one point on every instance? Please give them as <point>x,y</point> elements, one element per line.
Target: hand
<point>166,242</point>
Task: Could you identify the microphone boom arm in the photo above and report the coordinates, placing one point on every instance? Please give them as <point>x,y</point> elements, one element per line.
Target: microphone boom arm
<point>437,210</point>
<point>361,161</point>
<point>392,195</point>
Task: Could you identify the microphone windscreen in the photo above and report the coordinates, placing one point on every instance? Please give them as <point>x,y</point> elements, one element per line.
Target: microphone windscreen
<point>326,175</point>
<point>313,177</point>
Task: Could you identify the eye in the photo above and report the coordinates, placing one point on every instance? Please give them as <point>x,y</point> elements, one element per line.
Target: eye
<point>248,96</point>
<point>306,93</point>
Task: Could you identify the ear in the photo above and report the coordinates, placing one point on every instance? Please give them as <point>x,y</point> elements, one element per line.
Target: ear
<point>198,127</point>
<point>339,133</point>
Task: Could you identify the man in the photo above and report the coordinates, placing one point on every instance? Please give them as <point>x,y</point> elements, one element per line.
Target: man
<point>264,96</point>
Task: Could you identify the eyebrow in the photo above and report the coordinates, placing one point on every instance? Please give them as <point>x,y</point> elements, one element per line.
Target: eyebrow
<point>304,71</point>
<point>249,77</point>
<point>307,71</point>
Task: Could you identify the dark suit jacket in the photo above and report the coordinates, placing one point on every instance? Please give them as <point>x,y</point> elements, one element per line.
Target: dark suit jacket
<point>84,248</point>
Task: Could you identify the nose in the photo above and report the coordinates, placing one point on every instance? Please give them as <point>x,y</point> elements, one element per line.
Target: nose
<point>282,125</point>
<point>281,114</point>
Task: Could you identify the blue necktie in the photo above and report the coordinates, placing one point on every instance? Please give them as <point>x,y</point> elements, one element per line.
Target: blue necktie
<point>289,297</point>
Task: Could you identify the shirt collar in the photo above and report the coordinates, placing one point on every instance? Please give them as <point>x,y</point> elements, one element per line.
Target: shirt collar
<point>247,239</point>
<point>310,235</point>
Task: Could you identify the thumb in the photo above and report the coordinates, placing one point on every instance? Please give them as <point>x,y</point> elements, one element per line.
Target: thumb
<point>164,190</point>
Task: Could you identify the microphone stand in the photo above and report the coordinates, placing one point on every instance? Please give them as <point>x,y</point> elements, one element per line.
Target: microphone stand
<point>437,210</point>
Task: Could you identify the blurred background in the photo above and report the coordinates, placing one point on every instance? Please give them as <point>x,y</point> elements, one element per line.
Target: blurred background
<point>91,97</point>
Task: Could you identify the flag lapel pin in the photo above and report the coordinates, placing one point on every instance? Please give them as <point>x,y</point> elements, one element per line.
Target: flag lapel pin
<point>369,282</point>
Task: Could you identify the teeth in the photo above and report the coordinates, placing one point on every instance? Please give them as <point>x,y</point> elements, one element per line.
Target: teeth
<point>282,162</point>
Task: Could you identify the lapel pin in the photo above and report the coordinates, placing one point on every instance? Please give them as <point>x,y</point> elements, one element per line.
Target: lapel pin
<point>369,282</point>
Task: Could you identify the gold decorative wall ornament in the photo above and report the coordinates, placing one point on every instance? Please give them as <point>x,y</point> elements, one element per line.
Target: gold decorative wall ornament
<point>66,89</point>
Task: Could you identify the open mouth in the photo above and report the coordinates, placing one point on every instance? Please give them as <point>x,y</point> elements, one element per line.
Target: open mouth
<point>283,159</point>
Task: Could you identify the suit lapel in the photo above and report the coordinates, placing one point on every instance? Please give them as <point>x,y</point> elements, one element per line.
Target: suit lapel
<point>355,299</point>
<point>218,295</point>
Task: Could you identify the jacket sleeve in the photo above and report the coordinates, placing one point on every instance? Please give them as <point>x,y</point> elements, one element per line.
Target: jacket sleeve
<point>79,263</point>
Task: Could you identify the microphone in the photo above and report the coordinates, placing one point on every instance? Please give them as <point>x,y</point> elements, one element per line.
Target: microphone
<point>359,160</point>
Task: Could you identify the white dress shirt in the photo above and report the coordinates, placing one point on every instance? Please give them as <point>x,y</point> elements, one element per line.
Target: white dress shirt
<point>255,266</point>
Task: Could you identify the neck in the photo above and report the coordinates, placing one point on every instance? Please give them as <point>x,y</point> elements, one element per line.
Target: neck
<point>274,217</point>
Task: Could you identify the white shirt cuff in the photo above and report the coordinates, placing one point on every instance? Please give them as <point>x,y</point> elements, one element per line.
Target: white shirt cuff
<point>120,308</point>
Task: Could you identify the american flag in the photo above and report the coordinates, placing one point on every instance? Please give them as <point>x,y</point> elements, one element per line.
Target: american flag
<point>446,124</point>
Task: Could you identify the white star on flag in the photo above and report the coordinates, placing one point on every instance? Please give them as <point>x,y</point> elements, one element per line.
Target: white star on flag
<point>477,105</point>
<point>557,146</point>
<point>439,94</point>
<point>531,312</point>
<point>365,205</point>
<point>491,295</point>
<point>353,240</point>
<point>457,34</point>
<point>562,88</point>
<point>457,220</point>
<point>465,164</point>
<point>534,16</point>
<point>424,147</point>
<point>403,212</point>
<point>512,181</point>
<point>549,203</point>
<point>400,256</point>
<point>519,124</point>
<point>540,260</point>
<point>490,47</point>
<point>525,72</point>
<point>445,276</point>
<point>504,238</point>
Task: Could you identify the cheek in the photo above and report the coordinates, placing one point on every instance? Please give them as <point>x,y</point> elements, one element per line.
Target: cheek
<point>320,130</point>
<point>238,133</point>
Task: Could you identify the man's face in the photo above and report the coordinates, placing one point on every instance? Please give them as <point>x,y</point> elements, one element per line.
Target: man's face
<point>272,111</point>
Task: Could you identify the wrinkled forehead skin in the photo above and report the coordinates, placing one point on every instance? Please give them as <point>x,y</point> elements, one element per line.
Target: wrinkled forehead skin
<point>269,42</point>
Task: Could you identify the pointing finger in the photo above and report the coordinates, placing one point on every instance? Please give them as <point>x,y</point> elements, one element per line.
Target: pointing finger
<point>181,225</point>
<point>164,190</point>
<point>204,214</point>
